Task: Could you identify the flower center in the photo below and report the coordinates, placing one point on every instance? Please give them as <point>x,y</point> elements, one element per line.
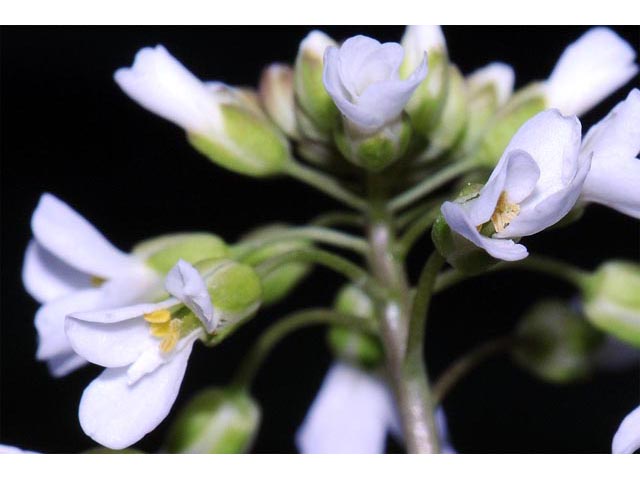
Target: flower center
<point>505,212</point>
<point>164,327</point>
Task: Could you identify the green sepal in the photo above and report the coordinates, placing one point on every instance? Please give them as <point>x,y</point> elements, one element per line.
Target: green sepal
<point>163,252</point>
<point>216,420</point>
<point>555,343</point>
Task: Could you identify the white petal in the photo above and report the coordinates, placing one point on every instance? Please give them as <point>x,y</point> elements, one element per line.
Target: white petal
<point>63,364</point>
<point>627,438</point>
<point>590,69</point>
<point>66,234</point>
<point>418,39</point>
<point>498,74</point>
<point>110,344</point>
<point>614,179</point>
<point>116,414</point>
<point>350,414</point>
<point>46,277</point>
<point>120,314</point>
<point>50,317</point>
<point>10,449</point>
<point>186,284</point>
<point>161,84</point>
<point>458,219</point>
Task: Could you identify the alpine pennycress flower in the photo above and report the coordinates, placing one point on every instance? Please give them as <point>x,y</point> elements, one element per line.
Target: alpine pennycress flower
<point>535,184</point>
<point>70,266</point>
<point>363,79</point>
<point>145,349</point>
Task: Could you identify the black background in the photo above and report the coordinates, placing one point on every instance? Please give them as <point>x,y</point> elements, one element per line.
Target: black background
<point>67,129</point>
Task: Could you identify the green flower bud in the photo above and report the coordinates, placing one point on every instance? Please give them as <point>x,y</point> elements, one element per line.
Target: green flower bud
<point>353,346</point>
<point>462,254</point>
<point>451,124</point>
<point>161,253</point>
<point>215,421</point>
<point>555,343</point>
<point>247,142</point>
<point>234,288</point>
<point>611,299</point>
<point>318,114</point>
<point>279,282</point>
<point>376,151</point>
<point>276,93</point>
<point>427,102</point>
<point>521,107</point>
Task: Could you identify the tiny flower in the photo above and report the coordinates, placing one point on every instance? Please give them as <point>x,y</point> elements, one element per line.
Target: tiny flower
<point>614,144</point>
<point>627,437</point>
<point>535,184</point>
<point>221,122</point>
<point>362,77</point>
<point>589,70</point>
<point>145,349</point>
<point>70,266</point>
<point>352,413</point>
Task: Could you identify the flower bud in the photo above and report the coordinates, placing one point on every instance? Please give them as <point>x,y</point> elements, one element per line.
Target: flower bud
<point>234,288</point>
<point>461,254</point>
<point>452,121</point>
<point>428,100</point>
<point>611,299</point>
<point>524,105</point>
<point>163,252</point>
<point>555,343</point>
<point>215,421</point>
<point>376,151</point>
<point>353,346</point>
<point>317,109</point>
<point>276,93</point>
<point>279,282</point>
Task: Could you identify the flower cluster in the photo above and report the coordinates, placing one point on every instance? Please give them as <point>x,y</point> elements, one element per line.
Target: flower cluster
<point>403,119</point>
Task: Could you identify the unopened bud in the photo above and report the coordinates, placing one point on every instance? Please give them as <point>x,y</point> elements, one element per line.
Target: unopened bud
<point>276,93</point>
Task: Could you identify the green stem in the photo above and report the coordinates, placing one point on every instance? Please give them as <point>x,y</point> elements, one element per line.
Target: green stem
<point>431,183</point>
<point>467,363</point>
<point>409,216</point>
<point>252,362</point>
<point>317,234</point>
<point>416,229</point>
<point>331,219</point>
<point>325,184</point>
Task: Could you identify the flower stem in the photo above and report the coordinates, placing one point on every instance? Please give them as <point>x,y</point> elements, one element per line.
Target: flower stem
<point>466,363</point>
<point>331,219</point>
<point>325,184</point>
<point>318,234</point>
<point>416,229</point>
<point>429,184</point>
<point>252,362</point>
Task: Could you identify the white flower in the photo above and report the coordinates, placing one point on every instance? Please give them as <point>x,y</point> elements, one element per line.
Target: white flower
<point>498,74</point>
<point>627,437</point>
<point>589,70</point>
<point>145,349</point>
<point>614,143</point>
<point>536,182</point>
<point>70,266</point>
<point>161,84</point>
<point>362,77</point>
<point>352,413</point>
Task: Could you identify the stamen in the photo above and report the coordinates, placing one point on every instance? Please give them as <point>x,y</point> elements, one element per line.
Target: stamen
<point>97,281</point>
<point>504,213</point>
<point>159,316</point>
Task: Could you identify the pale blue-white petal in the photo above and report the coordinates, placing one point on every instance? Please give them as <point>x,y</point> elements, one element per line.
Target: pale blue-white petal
<point>116,414</point>
<point>186,284</point>
<point>627,437</point>
<point>63,364</point>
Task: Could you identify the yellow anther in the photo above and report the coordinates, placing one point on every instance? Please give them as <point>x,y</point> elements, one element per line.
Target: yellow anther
<point>168,330</point>
<point>505,212</point>
<point>159,316</point>
<point>97,281</point>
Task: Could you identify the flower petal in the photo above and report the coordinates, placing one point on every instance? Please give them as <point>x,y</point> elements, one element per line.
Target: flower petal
<point>161,84</point>
<point>120,314</point>
<point>63,364</point>
<point>116,414</point>
<point>46,277</point>
<point>186,284</point>
<point>590,69</point>
<point>350,414</point>
<point>459,221</point>
<point>627,437</point>
<point>498,74</point>
<point>66,234</point>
